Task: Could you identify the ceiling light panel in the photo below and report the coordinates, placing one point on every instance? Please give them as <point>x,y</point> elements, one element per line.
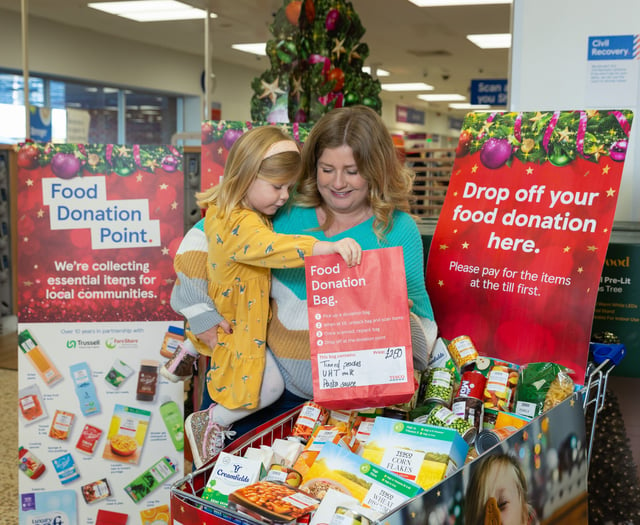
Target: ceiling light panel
<point>451,3</point>
<point>442,97</point>
<point>259,48</point>
<point>151,10</point>
<point>491,41</point>
<point>408,86</point>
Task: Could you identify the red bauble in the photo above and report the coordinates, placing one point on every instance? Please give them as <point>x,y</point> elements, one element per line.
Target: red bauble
<point>495,153</point>
<point>207,133</point>
<point>28,157</point>
<point>230,137</point>
<point>65,165</point>
<point>310,11</point>
<point>292,11</point>
<point>336,75</point>
<point>333,17</point>
<point>618,150</point>
<point>463,144</point>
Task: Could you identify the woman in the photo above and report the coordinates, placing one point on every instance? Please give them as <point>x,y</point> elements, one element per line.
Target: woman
<point>353,185</point>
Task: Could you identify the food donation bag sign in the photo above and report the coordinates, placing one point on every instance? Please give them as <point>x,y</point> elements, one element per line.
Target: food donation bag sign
<point>517,253</point>
<point>359,330</point>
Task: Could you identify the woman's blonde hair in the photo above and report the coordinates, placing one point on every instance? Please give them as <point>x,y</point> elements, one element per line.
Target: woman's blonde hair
<point>480,488</point>
<point>246,162</point>
<point>362,129</point>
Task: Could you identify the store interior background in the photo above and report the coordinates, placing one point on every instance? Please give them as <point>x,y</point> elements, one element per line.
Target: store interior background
<point>546,68</point>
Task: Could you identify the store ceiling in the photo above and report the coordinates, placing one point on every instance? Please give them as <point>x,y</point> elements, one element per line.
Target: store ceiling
<point>412,43</point>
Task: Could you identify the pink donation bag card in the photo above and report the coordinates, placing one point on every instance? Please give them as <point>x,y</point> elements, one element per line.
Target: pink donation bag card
<point>359,330</point>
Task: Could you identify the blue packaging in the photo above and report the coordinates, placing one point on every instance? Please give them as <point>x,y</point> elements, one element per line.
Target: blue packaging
<point>85,389</point>
<point>66,469</point>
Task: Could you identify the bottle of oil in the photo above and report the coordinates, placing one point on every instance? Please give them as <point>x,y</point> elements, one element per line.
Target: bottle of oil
<point>36,355</point>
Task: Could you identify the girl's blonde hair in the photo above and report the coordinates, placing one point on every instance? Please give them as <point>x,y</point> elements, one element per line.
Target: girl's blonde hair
<point>246,162</point>
<point>480,488</point>
<point>362,129</point>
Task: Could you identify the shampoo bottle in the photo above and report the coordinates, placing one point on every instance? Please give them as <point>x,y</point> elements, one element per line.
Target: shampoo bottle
<point>172,417</point>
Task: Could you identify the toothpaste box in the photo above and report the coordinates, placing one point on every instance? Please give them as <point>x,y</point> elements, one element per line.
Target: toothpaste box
<point>229,474</point>
<point>374,487</point>
<point>421,453</point>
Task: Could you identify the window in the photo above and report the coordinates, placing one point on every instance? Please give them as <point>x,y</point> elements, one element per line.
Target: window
<point>115,114</point>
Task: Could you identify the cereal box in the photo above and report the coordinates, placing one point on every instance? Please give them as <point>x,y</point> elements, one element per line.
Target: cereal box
<point>421,453</point>
<point>340,469</point>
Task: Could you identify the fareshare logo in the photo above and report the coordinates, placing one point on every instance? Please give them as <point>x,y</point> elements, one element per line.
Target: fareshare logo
<point>121,342</point>
<point>82,202</point>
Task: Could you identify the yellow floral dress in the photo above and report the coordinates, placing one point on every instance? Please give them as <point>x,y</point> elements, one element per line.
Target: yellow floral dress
<point>242,251</point>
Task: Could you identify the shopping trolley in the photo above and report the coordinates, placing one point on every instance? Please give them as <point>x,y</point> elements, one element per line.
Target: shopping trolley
<point>604,357</point>
<point>187,506</point>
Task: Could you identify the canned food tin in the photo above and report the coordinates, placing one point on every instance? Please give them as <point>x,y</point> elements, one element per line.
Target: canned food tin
<point>439,387</point>
<point>395,412</point>
<point>469,408</point>
<point>489,419</point>
<point>463,352</point>
<point>488,438</point>
<point>499,391</point>
<point>472,384</point>
<point>443,417</point>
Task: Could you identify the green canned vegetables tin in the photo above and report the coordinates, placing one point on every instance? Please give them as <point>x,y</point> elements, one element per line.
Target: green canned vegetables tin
<point>439,386</point>
<point>443,417</point>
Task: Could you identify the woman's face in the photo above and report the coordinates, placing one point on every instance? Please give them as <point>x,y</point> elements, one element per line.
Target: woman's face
<point>340,184</point>
<point>505,490</point>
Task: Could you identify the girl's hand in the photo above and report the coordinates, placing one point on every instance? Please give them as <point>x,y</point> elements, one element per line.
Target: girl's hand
<point>350,250</point>
<point>210,337</point>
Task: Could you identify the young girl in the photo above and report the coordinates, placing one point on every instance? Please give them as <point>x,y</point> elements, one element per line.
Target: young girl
<point>497,494</point>
<point>262,166</point>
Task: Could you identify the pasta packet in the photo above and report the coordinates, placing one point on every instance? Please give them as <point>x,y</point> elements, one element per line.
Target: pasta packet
<point>535,384</point>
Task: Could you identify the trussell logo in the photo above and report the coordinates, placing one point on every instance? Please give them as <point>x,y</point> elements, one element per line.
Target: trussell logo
<point>83,343</point>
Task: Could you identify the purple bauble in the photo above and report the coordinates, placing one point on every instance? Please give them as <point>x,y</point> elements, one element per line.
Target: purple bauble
<point>65,165</point>
<point>495,152</point>
<point>230,137</point>
<point>618,150</point>
<point>169,164</point>
<point>331,22</point>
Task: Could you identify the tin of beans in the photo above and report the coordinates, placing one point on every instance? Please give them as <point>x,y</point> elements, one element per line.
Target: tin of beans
<point>472,384</point>
<point>463,352</point>
<point>469,408</point>
<point>439,387</point>
<point>443,417</point>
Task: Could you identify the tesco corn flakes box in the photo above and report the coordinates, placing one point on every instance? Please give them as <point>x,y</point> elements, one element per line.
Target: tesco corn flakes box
<point>374,487</point>
<point>421,453</point>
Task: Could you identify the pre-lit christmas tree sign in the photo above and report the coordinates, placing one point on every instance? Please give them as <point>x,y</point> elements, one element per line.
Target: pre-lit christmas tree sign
<point>316,64</point>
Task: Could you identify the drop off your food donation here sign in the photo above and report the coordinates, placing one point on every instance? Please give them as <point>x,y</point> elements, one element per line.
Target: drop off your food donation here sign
<point>359,330</point>
<point>518,250</point>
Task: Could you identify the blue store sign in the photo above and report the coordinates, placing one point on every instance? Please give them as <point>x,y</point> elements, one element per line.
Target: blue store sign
<point>492,92</point>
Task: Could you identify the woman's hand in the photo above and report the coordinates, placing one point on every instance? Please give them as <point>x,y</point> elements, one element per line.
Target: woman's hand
<point>210,336</point>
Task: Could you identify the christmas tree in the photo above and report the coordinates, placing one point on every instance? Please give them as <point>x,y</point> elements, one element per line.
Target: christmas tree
<point>614,488</point>
<point>316,64</point>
